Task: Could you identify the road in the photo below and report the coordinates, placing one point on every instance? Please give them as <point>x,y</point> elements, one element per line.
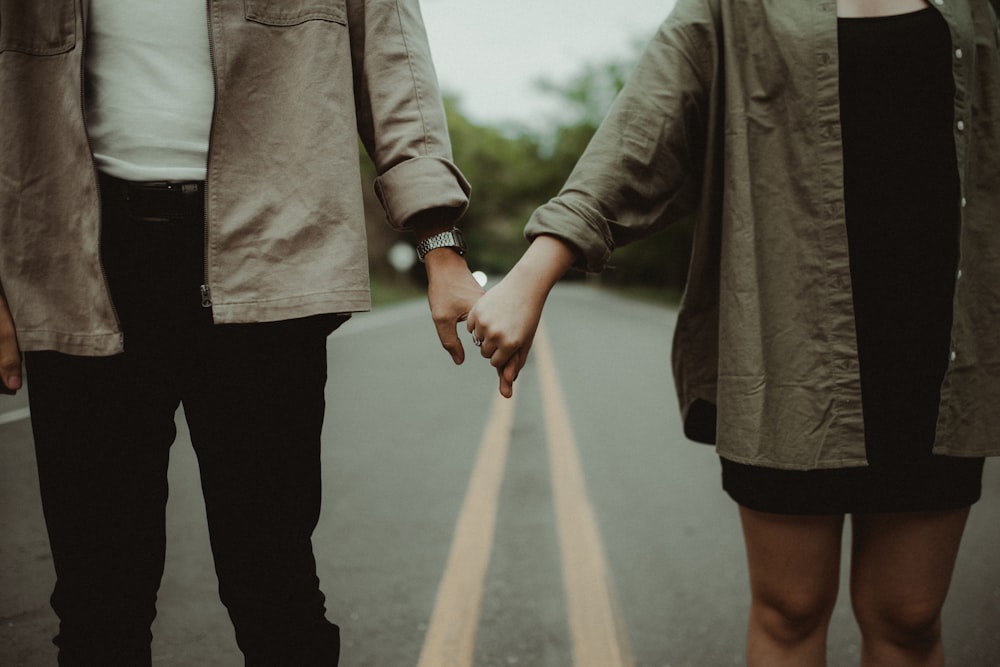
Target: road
<point>570,527</point>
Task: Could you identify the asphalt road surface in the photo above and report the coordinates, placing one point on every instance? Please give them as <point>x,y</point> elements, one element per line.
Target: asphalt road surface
<point>571,526</point>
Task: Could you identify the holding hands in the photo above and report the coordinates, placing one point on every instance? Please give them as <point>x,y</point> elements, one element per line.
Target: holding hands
<point>503,322</point>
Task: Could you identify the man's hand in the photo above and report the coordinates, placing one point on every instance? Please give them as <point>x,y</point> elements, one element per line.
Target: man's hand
<point>451,292</point>
<point>10,354</point>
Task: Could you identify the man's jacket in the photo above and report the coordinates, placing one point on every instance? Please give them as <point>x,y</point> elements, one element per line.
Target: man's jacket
<point>296,83</point>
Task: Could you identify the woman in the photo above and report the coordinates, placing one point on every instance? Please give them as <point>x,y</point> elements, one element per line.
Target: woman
<point>837,337</point>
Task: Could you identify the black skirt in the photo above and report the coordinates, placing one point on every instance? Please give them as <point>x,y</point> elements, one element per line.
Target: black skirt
<point>902,198</point>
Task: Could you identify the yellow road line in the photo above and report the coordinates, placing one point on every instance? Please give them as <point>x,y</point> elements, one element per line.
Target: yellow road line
<point>596,632</point>
<point>451,637</point>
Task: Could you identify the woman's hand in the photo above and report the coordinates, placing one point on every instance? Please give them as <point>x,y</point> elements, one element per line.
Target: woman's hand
<point>505,320</point>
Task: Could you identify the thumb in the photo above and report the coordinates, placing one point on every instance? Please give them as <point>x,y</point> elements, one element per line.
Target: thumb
<point>448,336</point>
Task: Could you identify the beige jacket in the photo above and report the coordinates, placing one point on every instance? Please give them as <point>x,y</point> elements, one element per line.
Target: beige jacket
<point>296,83</point>
<point>733,113</point>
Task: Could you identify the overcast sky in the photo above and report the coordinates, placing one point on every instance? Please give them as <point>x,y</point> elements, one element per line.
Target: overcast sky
<point>489,52</point>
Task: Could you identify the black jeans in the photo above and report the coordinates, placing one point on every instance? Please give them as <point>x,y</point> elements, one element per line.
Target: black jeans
<point>253,397</point>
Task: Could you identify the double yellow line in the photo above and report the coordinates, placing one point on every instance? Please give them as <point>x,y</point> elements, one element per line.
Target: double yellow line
<point>596,633</point>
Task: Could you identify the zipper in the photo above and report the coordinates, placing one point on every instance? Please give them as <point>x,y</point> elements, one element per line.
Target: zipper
<point>93,164</point>
<point>206,290</point>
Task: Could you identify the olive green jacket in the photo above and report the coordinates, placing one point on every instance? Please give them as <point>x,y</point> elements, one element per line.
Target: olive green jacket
<point>296,83</point>
<point>732,115</point>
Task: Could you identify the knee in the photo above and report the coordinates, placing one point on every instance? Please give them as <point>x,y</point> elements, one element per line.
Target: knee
<point>911,624</point>
<point>791,617</point>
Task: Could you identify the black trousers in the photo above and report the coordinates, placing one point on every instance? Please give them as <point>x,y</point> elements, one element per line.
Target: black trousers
<point>253,397</point>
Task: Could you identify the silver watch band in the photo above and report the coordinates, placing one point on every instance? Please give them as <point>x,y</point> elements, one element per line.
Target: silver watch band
<point>450,239</point>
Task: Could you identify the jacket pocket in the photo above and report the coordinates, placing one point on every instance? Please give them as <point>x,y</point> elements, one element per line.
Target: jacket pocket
<point>37,27</point>
<point>293,12</point>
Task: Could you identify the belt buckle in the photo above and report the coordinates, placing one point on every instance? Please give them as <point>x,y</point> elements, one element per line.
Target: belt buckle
<point>162,200</point>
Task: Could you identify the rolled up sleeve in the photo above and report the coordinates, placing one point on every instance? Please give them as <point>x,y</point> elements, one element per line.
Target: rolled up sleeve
<point>421,183</point>
<point>642,169</point>
<point>401,118</point>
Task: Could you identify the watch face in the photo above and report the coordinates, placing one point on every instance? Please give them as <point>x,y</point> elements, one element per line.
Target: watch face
<point>459,240</point>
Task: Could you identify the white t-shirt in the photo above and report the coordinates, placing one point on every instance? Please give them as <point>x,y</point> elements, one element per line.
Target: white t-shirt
<point>149,88</point>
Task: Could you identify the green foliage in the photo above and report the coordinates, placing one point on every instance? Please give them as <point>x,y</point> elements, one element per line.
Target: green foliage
<point>505,172</point>
<point>513,171</point>
<point>659,262</point>
<point>593,90</point>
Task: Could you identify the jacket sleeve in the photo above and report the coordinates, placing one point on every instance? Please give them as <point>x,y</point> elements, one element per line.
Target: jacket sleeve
<point>401,118</point>
<point>641,171</point>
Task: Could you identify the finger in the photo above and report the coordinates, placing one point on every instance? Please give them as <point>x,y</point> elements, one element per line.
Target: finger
<point>476,338</point>
<point>10,362</point>
<point>448,335</point>
<point>471,320</point>
<point>511,351</point>
<point>10,377</point>
<point>487,349</point>
<point>506,385</point>
<point>498,353</point>
<point>508,374</point>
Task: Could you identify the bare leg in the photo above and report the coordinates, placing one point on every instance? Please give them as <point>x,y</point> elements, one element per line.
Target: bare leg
<point>794,564</point>
<point>901,569</point>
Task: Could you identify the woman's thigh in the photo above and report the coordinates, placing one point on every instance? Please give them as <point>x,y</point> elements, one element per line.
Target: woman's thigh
<point>793,560</point>
<point>902,564</point>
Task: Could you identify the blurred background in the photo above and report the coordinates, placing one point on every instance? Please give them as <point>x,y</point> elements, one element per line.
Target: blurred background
<point>526,84</point>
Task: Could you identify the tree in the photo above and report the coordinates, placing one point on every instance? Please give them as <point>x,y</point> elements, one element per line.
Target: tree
<point>660,262</point>
<point>513,171</point>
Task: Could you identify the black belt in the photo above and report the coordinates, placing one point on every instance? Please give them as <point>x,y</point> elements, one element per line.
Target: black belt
<point>156,200</point>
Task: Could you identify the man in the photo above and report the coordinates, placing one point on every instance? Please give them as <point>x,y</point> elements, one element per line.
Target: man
<point>181,223</point>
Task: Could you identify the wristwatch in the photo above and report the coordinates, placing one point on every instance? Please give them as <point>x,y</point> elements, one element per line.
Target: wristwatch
<point>450,239</point>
